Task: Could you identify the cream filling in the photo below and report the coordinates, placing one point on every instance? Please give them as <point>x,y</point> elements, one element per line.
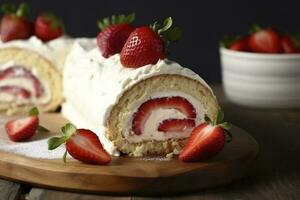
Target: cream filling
<point>28,85</point>
<point>150,132</point>
<point>25,83</point>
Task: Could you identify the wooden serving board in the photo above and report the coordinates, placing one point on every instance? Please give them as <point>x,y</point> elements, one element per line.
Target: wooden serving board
<point>125,175</point>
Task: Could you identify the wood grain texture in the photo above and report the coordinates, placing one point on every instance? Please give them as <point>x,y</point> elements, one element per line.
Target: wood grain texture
<point>277,175</point>
<point>9,190</point>
<point>127,175</point>
<point>45,194</point>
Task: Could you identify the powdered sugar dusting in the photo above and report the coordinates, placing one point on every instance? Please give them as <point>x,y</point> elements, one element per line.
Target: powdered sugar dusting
<point>36,147</point>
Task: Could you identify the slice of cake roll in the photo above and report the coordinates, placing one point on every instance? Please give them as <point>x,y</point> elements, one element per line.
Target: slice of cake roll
<point>150,110</point>
<point>30,74</point>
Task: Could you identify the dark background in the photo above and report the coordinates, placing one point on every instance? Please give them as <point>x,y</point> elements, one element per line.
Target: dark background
<point>204,22</point>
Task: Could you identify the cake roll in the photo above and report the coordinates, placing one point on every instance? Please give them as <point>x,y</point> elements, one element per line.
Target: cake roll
<point>30,74</point>
<point>149,110</point>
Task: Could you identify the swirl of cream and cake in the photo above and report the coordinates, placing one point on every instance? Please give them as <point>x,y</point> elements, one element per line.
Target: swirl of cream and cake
<point>148,110</point>
<point>30,73</point>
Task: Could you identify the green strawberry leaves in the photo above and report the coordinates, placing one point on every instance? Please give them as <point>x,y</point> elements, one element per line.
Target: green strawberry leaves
<point>295,37</point>
<point>55,22</point>
<point>254,28</point>
<point>67,132</point>
<point>10,8</point>
<point>227,41</point>
<point>41,129</point>
<point>55,142</point>
<point>115,19</point>
<point>35,112</point>
<point>166,31</point>
<point>219,121</point>
<point>220,117</point>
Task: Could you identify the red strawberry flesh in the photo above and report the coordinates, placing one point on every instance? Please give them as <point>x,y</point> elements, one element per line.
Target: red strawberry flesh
<point>175,102</point>
<point>48,27</point>
<point>265,41</point>
<point>14,27</point>
<point>288,45</point>
<point>240,45</point>
<point>16,91</point>
<point>112,39</point>
<point>204,142</point>
<point>17,72</point>
<point>142,47</point>
<point>86,147</point>
<point>22,129</point>
<point>176,125</point>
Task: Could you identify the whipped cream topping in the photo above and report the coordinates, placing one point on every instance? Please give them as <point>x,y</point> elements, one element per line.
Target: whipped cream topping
<point>93,85</point>
<point>55,50</point>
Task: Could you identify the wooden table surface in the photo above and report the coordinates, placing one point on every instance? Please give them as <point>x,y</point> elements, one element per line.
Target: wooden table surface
<point>277,175</point>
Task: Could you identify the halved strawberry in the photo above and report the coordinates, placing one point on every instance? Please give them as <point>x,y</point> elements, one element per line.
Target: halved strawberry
<point>240,45</point>
<point>18,71</point>
<point>289,45</point>
<point>206,140</point>
<point>114,33</point>
<point>81,144</point>
<point>144,111</point>
<point>14,23</point>
<point>176,125</point>
<point>146,45</point>
<point>265,41</point>
<point>24,128</point>
<point>48,26</point>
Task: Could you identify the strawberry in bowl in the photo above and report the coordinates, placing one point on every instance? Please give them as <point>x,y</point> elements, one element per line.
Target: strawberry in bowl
<point>262,69</point>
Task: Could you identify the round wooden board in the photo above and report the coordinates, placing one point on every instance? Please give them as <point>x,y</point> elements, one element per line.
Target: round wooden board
<point>125,175</point>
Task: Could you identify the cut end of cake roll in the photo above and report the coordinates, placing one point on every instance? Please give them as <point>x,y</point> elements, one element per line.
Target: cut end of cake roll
<point>156,115</point>
<point>149,110</point>
<point>27,79</point>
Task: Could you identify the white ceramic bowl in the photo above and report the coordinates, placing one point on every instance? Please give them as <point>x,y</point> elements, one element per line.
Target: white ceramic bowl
<point>261,80</point>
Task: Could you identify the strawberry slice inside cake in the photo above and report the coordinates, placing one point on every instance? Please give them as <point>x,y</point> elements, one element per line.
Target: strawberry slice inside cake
<point>18,84</point>
<point>137,101</point>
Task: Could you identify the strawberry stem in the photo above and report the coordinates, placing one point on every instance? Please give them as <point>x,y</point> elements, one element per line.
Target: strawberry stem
<point>65,156</point>
<point>229,136</point>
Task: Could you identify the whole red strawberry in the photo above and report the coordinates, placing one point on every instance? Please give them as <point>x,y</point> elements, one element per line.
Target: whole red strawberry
<point>48,26</point>
<point>240,44</point>
<point>14,23</point>
<point>145,45</point>
<point>114,33</point>
<point>24,128</point>
<point>81,144</point>
<point>206,140</point>
<point>265,41</point>
<point>289,45</point>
